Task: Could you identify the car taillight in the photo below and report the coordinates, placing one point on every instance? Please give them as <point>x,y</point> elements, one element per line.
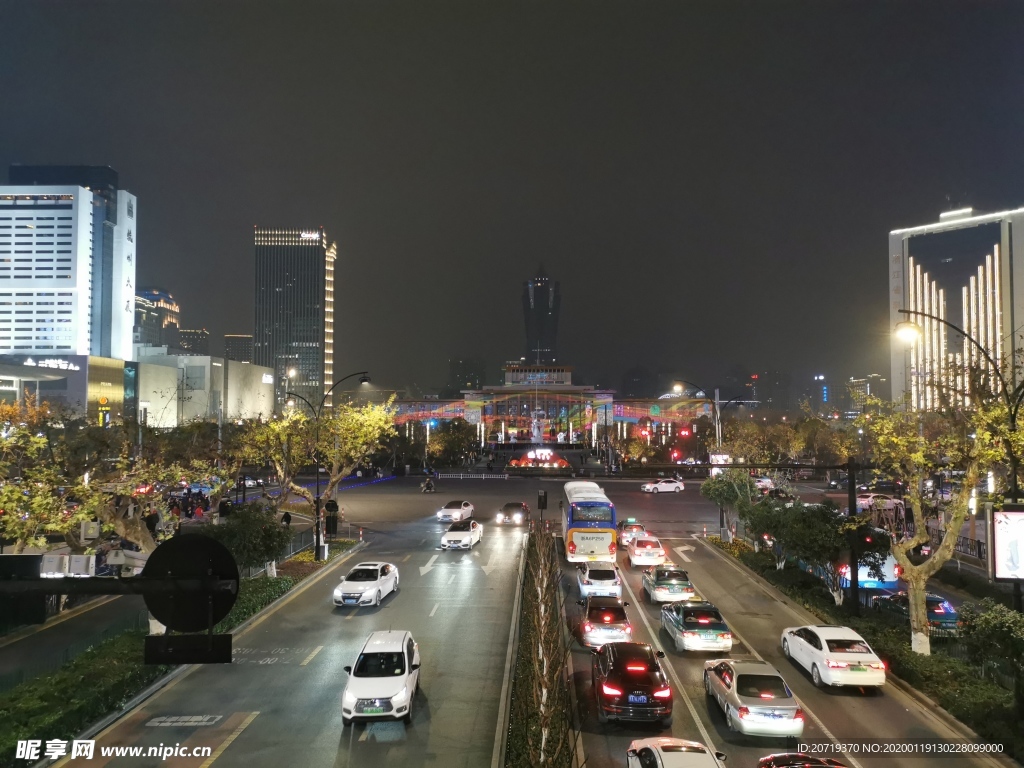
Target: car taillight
<point>689,633</point>
<point>836,664</point>
<point>663,693</point>
<point>629,629</point>
<point>725,635</point>
<point>799,714</point>
<point>588,627</point>
<point>611,548</point>
<point>586,581</point>
<point>571,546</point>
<point>742,712</point>
<point>877,665</point>
<point>608,690</point>
<point>636,667</point>
<point>767,695</point>
<point>661,589</point>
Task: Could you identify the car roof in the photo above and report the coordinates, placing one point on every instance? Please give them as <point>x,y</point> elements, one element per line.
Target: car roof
<point>386,641</point>
<point>831,632</point>
<point>749,667</point>
<point>367,565</point>
<point>646,537</point>
<point>596,601</point>
<point>628,650</point>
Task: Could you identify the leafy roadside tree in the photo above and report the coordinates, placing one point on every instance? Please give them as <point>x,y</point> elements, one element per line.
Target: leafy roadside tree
<point>451,441</point>
<point>251,534</point>
<point>819,535</point>
<point>991,629</point>
<point>730,489</point>
<point>769,521</point>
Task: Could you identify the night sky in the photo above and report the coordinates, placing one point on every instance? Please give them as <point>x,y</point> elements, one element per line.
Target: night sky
<point>711,183</point>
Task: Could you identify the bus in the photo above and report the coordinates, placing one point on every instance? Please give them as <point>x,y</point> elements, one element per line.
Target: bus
<point>588,523</point>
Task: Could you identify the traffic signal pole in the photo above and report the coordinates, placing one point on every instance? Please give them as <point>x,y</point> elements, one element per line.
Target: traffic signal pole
<point>851,499</point>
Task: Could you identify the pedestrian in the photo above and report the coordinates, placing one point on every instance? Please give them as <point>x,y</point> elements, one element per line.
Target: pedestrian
<point>286,519</point>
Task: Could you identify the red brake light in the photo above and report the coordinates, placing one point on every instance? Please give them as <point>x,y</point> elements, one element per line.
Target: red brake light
<point>587,626</point>
<point>606,618</point>
<point>703,621</point>
<point>629,629</point>
<point>689,633</point>
<point>742,712</point>
<point>608,690</point>
<point>836,664</point>
<point>663,693</point>
<point>571,546</point>
<point>799,714</point>
<point>767,695</point>
<point>611,548</point>
<point>725,635</point>
<point>636,667</point>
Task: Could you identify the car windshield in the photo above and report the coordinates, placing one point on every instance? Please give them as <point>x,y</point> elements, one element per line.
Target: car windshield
<point>462,525</point>
<point>632,528</point>
<point>595,513</point>
<point>702,617</point>
<point>379,664</point>
<point>642,543</point>
<point>362,574</point>
<point>601,574</point>
<point>848,645</point>
<point>683,748</point>
<point>612,615</point>
<point>673,575</point>
<point>512,508</point>
<point>761,686</point>
<point>453,505</point>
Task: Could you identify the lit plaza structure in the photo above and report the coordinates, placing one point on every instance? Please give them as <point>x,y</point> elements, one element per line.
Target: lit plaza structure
<point>539,404</point>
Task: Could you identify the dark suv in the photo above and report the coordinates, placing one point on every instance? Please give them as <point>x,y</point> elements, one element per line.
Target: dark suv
<point>630,684</point>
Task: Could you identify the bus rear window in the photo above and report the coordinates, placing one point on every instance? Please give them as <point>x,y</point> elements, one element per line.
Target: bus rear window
<point>593,513</point>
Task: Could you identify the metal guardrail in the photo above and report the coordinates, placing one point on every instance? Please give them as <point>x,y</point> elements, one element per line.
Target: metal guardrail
<point>472,476</point>
<point>965,546</point>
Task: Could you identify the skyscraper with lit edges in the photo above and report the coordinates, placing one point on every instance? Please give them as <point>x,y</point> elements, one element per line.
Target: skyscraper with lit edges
<point>541,302</point>
<point>294,332</point>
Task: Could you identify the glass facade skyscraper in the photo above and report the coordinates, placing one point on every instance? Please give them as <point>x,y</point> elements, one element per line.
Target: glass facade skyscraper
<point>295,310</point>
<point>541,303</point>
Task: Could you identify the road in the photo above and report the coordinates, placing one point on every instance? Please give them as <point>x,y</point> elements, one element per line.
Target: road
<point>757,620</point>
<point>280,698</point>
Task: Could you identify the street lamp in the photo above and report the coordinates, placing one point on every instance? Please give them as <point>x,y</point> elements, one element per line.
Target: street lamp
<point>364,378</point>
<point>911,332</point>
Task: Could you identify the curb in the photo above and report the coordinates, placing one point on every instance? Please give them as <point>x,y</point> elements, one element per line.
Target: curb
<point>899,684</point>
<point>179,672</point>
<point>505,705</point>
<point>20,634</point>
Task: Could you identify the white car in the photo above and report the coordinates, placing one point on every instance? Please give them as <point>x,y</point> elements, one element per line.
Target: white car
<point>384,679</point>
<point>665,485</point>
<point>367,584</point>
<point>645,550</point>
<point>664,752</point>
<point>462,535</point>
<point>599,579</point>
<point>455,510</point>
<point>754,697</point>
<point>869,501</point>
<point>834,656</point>
<point>763,483</point>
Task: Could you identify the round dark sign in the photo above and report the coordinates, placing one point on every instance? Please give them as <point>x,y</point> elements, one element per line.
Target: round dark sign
<point>190,557</point>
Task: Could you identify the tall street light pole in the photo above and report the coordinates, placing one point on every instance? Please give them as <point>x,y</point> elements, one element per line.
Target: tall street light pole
<point>317,413</point>
<point>1012,398</point>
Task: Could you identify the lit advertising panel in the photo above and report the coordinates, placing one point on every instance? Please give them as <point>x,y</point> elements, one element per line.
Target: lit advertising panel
<point>1008,544</point>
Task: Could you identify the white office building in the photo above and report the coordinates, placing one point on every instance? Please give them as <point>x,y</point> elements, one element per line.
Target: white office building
<point>58,295</point>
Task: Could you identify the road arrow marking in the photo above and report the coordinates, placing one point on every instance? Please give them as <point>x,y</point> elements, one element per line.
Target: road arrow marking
<point>491,565</point>
<point>681,551</point>
<point>425,569</point>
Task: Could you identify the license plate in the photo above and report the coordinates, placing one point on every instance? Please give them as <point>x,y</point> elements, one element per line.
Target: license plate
<point>373,710</point>
<point>707,635</point>
<point>775,716</point>
<point>350,601</point>
<point>858,669</point>
<point>637,699</point>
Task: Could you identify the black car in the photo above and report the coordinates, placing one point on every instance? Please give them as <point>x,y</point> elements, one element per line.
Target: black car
<point>513,513</point>
<point>798,760</point>
<point>630,684</point>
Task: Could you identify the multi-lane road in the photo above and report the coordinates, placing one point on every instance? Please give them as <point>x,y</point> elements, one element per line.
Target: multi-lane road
<point>279,702</point>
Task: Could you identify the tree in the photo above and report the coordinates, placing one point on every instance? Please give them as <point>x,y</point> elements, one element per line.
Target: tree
<point>992,630</point>
<point>729,489</point>
<point>768,520</point>
<point>451,441</point>
<point>252,534</point>
<point>819,536</point>
<point>743,439</point>
<point>825,441</point>
<point>914,446</point>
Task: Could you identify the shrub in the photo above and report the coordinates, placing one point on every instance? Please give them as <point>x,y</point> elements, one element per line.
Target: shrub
<point>252,535</point>
<point>253,596</point>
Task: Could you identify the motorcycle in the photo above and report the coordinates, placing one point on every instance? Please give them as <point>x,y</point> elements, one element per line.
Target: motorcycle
<point>427,487</point>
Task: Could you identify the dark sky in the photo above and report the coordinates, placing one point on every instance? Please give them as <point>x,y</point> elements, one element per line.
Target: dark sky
<point>712,183</point>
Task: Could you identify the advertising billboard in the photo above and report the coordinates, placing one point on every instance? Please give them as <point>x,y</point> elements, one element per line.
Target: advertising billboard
<point>1008,544</point>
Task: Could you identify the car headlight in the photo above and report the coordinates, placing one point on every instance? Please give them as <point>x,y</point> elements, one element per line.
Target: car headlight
<point>401,696</point>
<point>349,698</point>
<point>337,593</point>
<point>369,593</point>
<point>517,518</point>
<point>499,518</point>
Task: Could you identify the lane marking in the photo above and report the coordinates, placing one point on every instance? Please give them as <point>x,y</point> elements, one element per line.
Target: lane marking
<point>406,558</point>
<point>366,733</point>
<point>310,657</point>
<point>434,610</point>
<point>681,551</point>
<point>656,642</point>
<point>425,569</point>
<point>227,742</point>
<point>353,613</point>
<point>451,580</point>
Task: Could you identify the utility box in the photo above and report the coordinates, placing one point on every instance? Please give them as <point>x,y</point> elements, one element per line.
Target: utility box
<point>542,499</point>
<point>82,565</point>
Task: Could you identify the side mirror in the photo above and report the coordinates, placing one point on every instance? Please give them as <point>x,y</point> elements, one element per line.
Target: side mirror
<point>413,667</point>
<point>660,654</point>
<point>348,669</point>
<point>630,753</point>
<point>721,756</point>
<point>625,604</point>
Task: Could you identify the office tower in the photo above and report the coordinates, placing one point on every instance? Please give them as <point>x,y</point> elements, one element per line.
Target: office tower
<point>195,342</point>
<point>110,300</point>
<point>295,311</point>
<point>238,347</point>
<point>157,317</point>
<point>541,302</point>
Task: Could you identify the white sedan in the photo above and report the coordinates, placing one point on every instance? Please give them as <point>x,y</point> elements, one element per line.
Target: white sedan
<point>462,535</point>
<point>455,510</point>
<point>754,697</point>
<point>599,579</point>
<point>366,584</point>
<point>834,656</point>
<point>383,680</point>
<point>763,483</point>
<point>645,550</point>
<point>663,752</point>
<point>665,485</point>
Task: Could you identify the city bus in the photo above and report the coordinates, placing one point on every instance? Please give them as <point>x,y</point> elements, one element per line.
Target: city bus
<point>588,523</point>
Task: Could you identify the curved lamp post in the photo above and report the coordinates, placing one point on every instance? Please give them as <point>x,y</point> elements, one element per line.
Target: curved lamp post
<point>364,378</point>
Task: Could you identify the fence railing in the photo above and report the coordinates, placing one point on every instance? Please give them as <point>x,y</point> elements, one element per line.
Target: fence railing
<point>965,546</point>
<point>54,661</point>
<point>300,540</point>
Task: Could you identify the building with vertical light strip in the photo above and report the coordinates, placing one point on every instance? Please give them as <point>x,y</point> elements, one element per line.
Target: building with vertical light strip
<point>960,269</point>
<point>294,330</point>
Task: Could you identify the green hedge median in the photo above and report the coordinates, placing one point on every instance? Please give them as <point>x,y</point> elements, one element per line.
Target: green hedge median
<point>955,685</point>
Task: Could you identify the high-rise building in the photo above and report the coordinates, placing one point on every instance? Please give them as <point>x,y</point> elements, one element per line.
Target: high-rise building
<point>959,271</point>
<point>111,261</point>
<point>465,373</point>
<point>295,310</point>
<point>238,347</point>
<point>542,300</point>
<point>157,317</point>
<point>872,385</point>
<point>195,342</point>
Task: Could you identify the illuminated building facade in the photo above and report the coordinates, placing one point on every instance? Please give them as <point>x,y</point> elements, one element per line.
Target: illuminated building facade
<point>961,270</point>
<point>295,310</point>
<point>195,342</point>
<point>157,317</point>
<point>542,301</point>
